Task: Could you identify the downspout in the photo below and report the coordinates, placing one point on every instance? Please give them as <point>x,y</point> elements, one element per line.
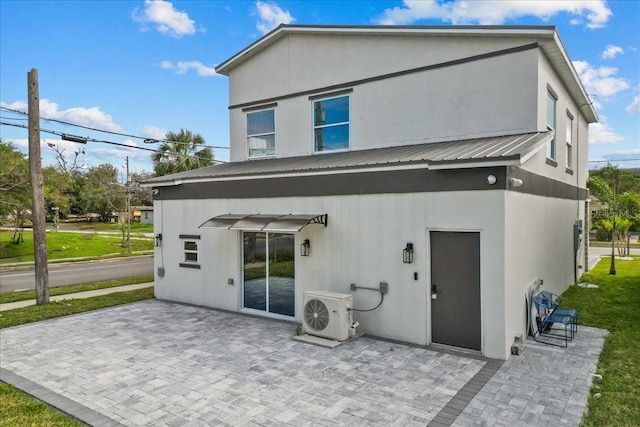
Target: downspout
<point>575,255</point>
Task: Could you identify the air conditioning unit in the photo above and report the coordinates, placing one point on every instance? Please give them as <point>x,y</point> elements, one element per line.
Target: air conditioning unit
<point>327,314</point>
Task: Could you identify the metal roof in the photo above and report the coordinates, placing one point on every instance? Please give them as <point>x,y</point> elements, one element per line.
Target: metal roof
<point>495,150</point>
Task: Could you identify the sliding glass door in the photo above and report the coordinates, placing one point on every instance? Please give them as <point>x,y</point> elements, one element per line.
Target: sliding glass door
<point>269,272</point>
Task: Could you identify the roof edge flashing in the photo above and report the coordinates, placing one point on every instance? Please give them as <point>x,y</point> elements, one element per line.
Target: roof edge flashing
<point>537,31</point>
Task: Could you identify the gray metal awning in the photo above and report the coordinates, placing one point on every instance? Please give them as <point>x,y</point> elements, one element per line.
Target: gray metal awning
<point>288,223</point>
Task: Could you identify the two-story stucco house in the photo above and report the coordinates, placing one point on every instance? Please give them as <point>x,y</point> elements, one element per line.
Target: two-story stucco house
<point>447,162</point>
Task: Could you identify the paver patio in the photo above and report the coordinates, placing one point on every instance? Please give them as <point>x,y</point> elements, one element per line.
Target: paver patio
<point>164,364</point>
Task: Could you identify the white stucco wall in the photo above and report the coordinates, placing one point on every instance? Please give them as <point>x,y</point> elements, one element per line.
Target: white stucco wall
<point>547,77</point>
<point>362,244</point>
<point>300,62</point>
<point>493,96</point>
<point>538,244</point>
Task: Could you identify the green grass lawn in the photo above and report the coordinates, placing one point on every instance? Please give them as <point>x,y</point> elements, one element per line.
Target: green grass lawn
<point>64,290</point>
<point>615,306</point>
<point>62,245</point>
<point>19,409</point>
<point>104,226</point>
<point>35,313</point>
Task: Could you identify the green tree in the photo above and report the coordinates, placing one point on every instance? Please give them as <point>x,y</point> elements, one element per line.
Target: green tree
<point>182,151</point>
<point>140,196</point>
<point>101,193</point>
<point>58,188</point>
<point>15,188</point>
<point>610,185</point>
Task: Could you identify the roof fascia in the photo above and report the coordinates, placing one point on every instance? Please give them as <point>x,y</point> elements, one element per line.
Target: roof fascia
<point>585,105</point>
<point>539,31</point>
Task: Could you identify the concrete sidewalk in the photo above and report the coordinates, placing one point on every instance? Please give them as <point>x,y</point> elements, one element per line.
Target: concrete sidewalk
<point>77,295</point>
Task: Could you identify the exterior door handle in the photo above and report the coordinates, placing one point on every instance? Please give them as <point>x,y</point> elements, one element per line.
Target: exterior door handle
<point>434,289</point>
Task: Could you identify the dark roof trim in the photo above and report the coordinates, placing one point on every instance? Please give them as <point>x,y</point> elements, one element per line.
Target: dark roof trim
<point>330,94</point>
<point>346,85</point>
<point>260,107</point>
<point>380,182</point>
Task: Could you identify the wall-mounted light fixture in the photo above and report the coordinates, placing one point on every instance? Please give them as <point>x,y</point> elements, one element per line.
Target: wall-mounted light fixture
<point>159,239</point>
<point>407,254</point>
<point>491,179</point>
<point>305,248</point>
<point>515,182</point>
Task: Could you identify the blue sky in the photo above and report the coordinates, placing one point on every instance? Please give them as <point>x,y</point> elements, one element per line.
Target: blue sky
<point>145,67</point>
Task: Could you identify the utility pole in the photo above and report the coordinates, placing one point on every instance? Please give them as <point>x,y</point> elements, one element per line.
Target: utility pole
<point>38,214</point>
<point>127,187</point>
<point>612,267</point>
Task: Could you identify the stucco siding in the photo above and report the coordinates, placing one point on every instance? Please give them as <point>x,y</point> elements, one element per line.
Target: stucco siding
<point>538,244</point>
<point>548,78</point>
<point>362,244</point>
<point>300,62</point>
<point>432,105</point>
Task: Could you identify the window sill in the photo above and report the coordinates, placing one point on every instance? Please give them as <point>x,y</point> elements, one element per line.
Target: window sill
<point>341,150</point>
<point>266,156</point>
<point>569,171</point>
<point>186,265</point>
<point>552,162</point>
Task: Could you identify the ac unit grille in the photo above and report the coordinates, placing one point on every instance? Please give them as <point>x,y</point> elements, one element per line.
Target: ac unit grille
<point>316,314</point>
<point>327,314</point>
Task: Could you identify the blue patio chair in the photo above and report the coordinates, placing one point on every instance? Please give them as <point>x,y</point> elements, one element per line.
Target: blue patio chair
<point>553,302</point>
<point>546,318</point>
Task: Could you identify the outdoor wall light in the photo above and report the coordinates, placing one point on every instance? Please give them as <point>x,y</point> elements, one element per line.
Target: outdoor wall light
<point>515,182</point>
<point>491,179</point>
<point>407,254</point>
<point>305,248</point>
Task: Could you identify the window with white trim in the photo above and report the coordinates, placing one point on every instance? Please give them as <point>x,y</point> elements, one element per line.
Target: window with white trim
<point>569,141</point>
<point>189,251</point>
<point>331,124</point>
<point>551,124</point>
<point>261,133</point>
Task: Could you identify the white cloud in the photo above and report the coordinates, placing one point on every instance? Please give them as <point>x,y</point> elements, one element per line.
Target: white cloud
<point>611,51</point>
<point>600,81</point>
<point>165,18</point>
<point>602,133</point>
<point>271,15</point>
<point>482,12</point>
<point>182,67</point>
<point>634,107</point>
<point>90,117</point>
<point>154,132</point>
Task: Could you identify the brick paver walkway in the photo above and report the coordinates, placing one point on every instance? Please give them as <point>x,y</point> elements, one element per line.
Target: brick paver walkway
<point>163,364</point>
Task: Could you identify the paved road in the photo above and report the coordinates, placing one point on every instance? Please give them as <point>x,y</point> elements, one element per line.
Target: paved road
<point>606,251</point>
<point>77,272</point>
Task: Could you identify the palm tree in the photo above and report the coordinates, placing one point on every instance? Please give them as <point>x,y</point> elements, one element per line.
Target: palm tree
<point>182,151</point>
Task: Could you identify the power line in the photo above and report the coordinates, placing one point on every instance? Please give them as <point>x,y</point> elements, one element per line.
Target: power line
<point>627,159</point>
<point>145,139</point>
<point>103,141</point>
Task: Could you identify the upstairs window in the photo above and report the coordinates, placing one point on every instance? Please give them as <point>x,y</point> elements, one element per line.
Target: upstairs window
<point>569,141</point>
<point>551,124</point>
<point>331,124</point>
<point>261,133</point>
